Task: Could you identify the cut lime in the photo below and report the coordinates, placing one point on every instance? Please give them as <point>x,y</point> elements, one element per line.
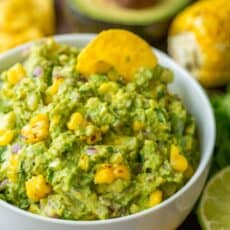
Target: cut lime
<point>214,207</point>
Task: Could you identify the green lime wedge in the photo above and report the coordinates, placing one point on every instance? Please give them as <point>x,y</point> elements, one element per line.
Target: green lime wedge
<point>214,207</point>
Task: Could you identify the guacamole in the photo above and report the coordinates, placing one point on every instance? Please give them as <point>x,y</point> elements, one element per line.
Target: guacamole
<point>90,147</point>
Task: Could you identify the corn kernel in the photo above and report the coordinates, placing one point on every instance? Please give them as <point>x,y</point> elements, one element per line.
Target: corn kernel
<point>137,126</point>
<point>37,129</point>
<point>104,175</point>
<point>37,188</point>
<point>76,121</point>
<point>177,161</point>
<point>12,168</point>
<point>84,162</point>
<point>108,87</point>
<point>6,137</point>
<point>53,89</point>
<point>93,138</point>
<point>155,198</point>
<point>15,74</point>
<point>39,118</point>
<point>121,171</point>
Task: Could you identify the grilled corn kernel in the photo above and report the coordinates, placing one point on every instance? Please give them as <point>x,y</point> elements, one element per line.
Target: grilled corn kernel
<point>76,121</point>
<point>37,188</point>
<point>12,168</point>
<point>121,171</point>
<point>39,118</point>
<point>6,137</point>
<point>93,138</point>
<point>155,198</point>
<point>53,89</point>
<point>15,74</point>
<point>37,129</point>
<point>137,126</point>
<point>107,87</point>
<point>84,162</point>
<point>177,161</point>
<point>104,175</point>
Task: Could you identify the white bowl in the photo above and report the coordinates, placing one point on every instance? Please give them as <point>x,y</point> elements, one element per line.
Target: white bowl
<point>170,213</point>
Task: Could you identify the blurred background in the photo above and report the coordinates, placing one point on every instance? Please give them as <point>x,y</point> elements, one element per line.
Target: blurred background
<point>26,20</point>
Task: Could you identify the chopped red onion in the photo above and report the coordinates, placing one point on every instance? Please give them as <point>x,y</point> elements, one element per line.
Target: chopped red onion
<point>91,150</point>
<point>15,148</point>
<point>38,71</point>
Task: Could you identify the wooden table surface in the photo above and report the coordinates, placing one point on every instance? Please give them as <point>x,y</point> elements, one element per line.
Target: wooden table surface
<point>63,26</point>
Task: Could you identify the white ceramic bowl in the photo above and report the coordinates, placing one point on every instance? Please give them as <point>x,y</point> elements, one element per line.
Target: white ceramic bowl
<point>170,213</point>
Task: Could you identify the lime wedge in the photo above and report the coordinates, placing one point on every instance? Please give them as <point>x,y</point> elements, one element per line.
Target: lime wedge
<point>214,207</point>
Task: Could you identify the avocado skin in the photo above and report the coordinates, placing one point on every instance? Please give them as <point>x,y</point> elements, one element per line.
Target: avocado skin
<point>81,23</point>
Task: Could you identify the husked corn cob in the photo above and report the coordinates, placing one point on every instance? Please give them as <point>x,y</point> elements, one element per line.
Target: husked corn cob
<point>199,39</point>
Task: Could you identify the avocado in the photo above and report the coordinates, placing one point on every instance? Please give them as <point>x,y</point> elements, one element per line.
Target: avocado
<point>149,20</point>
<point>107,11</point>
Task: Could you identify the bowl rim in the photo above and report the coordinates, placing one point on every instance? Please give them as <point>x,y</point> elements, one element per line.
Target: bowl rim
<point>65,38</point>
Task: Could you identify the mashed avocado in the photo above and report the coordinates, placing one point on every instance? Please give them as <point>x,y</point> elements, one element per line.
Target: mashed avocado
<point>82,148</point>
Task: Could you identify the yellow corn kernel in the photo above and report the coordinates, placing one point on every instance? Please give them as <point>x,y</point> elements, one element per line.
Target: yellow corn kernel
<point>53,89</point>
<point>84,162</point>
<point>155,198</point>
<point>39,118</point>
<point>15,74</point>
<point>6,137</point>
<point>93,138</point>
<point>108,87</point>
<point>177,161</point>
<point>121,171</point>
<point>137,126</point>
<point>12,168</point>
<point>104,175</point>
<point>76,121</point>
<point>37,188</point>
<point>37,129</point>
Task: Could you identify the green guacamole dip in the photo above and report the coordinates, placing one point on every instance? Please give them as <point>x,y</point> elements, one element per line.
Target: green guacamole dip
<point>95,147</point>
